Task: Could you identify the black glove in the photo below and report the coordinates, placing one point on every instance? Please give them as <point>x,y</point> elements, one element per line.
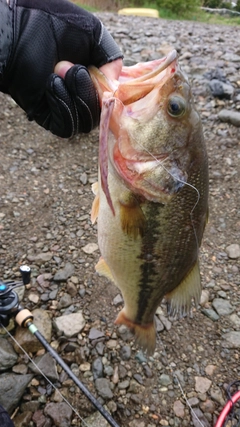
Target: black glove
<point>34,36</point>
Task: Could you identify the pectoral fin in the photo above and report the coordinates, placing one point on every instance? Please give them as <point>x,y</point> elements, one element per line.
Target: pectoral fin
<point>131,215</point>
<point>103,270</point>
<point>180,299</point>
<point>95,205</point>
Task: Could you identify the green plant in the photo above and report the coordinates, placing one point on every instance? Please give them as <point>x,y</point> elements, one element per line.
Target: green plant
<point>237,8</point>
<point>179,6</point>
<point>213,4</point>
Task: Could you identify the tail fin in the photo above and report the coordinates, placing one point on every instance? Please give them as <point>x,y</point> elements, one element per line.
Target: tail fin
<point>145,335</point>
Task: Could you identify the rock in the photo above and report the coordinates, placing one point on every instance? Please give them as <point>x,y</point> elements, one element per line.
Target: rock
<point>221,90</point>
<point>179,409</point>
<point>210,369</point>
<point>211,314</point>
<point>40,258</point>
<point>230,116</point>
<point>64,273</point>
<point>222,306</point>
<point>94,334</point>
<point>20,369</point>
<point>198,418</point>
<point>231,339</point>
<point>125,352</point>
<point>33,297</point>
<point>123,384</point>
<point>95,420</point>
<point>12,387</point>
<point>22,420</point>
<point>103,388</point>
<point>235,319</point>
<point>165,380</point>
<point>47,365</point>
<point>39,418</point>
<point>27,340</point>
<point>202,384</point>
<point>65,301</point>
<point>97,368</point>
<point>60,413</point>
<point>118,300</point>
<point>84,367</point>
<point>8,357</point>
<point>90,248</point>
<point>70,324</point>
<point>84,178</point>
<point>233,251</point>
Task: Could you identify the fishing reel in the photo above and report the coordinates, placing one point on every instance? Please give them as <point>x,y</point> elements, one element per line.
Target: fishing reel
<point>9,300</point>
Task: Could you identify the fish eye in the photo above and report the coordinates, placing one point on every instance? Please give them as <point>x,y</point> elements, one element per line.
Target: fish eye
<point>176,106</point>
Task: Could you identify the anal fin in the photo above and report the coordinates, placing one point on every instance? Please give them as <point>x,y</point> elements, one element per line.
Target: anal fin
<point>103,270</point>
<point>180,299</point>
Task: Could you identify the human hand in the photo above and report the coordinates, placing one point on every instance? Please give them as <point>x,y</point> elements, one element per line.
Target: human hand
<point>44,33</point>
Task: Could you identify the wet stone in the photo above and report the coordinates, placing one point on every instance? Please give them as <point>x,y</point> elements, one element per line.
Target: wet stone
<point>8,357</point>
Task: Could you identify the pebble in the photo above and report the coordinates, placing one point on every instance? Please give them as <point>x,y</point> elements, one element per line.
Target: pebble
<point>103,388</point>
<point>230,116</point>
<point>179,409</point>
<point>60,413</point>
<point>97,368</point>
<point>202,384</point>
<point>95,334</point>
<point>223,307</point>
<point>231,339</point>
<point>64,273</point>
<point>71,324</point>
<point>125,352</point>
<point>233,250</point>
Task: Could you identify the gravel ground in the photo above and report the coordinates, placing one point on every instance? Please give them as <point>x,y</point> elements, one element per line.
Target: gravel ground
<point>45,200</point>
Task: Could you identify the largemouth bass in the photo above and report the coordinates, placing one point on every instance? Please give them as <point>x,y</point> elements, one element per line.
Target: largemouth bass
<point>152,192</point>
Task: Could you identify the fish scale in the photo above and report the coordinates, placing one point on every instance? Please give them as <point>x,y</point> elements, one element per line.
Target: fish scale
<point>152,204</point>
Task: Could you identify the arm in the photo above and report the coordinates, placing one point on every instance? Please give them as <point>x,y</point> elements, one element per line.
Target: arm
<point>36,35</point>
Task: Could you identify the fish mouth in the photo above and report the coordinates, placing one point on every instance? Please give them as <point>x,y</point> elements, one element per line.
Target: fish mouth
<point>122,100</point>
<point>156,180</point>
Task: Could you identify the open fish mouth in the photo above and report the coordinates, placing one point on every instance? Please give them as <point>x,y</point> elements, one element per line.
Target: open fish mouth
<point>151,179</point>
<point>135,98</point>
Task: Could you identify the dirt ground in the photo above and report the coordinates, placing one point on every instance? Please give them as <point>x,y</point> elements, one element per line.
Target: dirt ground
<point>45,200</point>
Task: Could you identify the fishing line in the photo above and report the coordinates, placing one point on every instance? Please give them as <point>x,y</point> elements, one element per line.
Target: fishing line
<point>196,238</point>
<point>178,382</point>
<point>180,181</point>
<point>42,373</point>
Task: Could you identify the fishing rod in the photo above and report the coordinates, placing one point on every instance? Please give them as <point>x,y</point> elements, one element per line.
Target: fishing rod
<point>9,307</point>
